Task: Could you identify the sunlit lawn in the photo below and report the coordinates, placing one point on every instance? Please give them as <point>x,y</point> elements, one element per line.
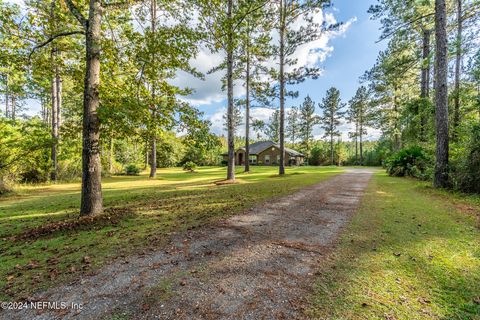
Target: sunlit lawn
<point>411,253</point>
<point>173,202</point>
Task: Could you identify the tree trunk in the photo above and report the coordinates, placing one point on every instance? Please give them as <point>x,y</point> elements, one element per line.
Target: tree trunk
<point>54,130</point>
<point>153,156</point>
<point>424,84</point>
<point>247,113</point>
<point>458,66</point>
<point>59,101</point>
<point>331,150</point>
<point>294,132</point>
<point>441,95</point>
<point>147,151</point>
<point>110,155</point>
<point>6,96</point>
<point>356,149</point>
<point>396,129</point>
<point>92,202</point>
<point>13,107</point>
<point>361,147</point>
<point>230,111</point>
<point>281,170</point>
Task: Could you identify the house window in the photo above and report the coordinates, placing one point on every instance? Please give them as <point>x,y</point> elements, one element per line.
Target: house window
<point>278,158</point>
<point>253,159</point>
<point>267,159</point>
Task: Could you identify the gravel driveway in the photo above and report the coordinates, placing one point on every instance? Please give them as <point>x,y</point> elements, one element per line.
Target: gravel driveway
<point>256,265</point>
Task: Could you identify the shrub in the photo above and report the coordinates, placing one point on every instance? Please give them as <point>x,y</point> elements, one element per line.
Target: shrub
<point>467,172</point>
<point>69,169</point>
<point>4,188</point>
<point>33,176</point>
<point>412,162</point>
<point>132,170</point>
<point>189,166</point>
<point>224,163</point>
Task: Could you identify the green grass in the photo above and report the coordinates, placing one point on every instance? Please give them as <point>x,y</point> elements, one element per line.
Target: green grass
<point>411,252</point>
<point>174,202</point>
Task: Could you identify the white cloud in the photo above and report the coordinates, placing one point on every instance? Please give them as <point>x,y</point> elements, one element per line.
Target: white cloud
<point>311,54</point>
<point>255,113</point>
<point>209,90</point>
<point>21,3</point>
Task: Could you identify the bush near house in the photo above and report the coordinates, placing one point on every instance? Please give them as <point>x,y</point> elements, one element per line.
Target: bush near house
<point>412,161</point>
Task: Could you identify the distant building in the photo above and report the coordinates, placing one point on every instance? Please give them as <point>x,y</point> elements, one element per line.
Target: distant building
<point>267,153</point>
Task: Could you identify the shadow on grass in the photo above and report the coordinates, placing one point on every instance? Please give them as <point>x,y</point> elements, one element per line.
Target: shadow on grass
<point>159,209</point>
<point>407,255</point>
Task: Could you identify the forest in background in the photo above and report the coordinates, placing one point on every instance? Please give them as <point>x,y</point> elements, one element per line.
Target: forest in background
<point>103,73</point>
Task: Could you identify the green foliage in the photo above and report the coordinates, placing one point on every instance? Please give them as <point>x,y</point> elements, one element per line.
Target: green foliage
<point>467,173</point>
<point>202,147</point>
<point>69,169</point>
<point>412,161</point>
<point>132,170</point>
<point>272,129</point>
<point>189,166</point>
<point>24,150</point>
<point>170,150</point>
<point>331,106</point>
<point>319,154</point>
<point>307,119</point>
<point>292,129</point>
<point>149,210</point>
<point>410,253</point>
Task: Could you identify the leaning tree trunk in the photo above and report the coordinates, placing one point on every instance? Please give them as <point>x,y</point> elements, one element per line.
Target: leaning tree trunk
<point>281,169</point>
<point>441,95</point>
<point>424,83</point>
<point>458,65</point>
<point>247,113</point>
<point>230,122</point>
<point>92,202</point>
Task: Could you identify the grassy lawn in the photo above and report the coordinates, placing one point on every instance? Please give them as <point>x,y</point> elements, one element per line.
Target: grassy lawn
<point>411,253</point>
<point>145,212</point>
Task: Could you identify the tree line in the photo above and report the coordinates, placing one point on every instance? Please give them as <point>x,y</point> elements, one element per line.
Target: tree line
<point>425,87</point>
<point>302,120</point>
<point>127,55</point>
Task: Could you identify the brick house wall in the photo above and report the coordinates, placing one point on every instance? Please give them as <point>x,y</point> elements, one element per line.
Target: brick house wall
<point>272,152</point>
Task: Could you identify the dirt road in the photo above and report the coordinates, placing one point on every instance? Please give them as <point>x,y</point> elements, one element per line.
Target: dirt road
<point>256,265</point>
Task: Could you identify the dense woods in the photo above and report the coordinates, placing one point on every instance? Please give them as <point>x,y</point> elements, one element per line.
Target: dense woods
<point>423,93</point>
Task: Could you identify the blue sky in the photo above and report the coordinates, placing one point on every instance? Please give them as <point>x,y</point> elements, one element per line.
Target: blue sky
<point>353,53</point>
<point>344,58</point>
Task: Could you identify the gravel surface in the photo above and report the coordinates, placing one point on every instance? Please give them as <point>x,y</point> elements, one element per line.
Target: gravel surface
<point>256,265</point>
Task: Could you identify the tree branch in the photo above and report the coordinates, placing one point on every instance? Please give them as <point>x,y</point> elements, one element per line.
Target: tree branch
<point>76,13</point>
<point>63,34</point>
<point>383,37</point>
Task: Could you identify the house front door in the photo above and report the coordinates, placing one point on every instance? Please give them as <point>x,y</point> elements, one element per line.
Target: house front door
<point>240,158</point>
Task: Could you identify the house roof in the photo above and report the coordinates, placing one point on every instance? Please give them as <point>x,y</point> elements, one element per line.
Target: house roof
<point>258,147</point>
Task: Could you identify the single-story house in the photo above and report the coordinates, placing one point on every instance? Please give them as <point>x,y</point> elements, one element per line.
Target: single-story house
<point>267,153</point>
